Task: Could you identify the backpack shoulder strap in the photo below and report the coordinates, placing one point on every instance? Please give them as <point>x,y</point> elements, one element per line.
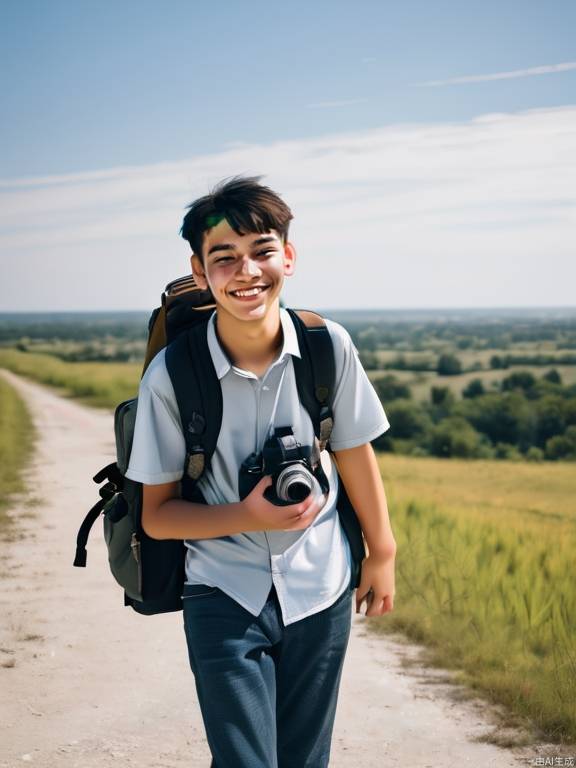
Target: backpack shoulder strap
<point>199,398</point>
<point>315,371</point>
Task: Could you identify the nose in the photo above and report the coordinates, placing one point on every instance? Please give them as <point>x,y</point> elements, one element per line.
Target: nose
<point>249,267</point>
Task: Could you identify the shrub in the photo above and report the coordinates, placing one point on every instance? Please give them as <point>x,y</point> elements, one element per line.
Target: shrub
<point>407,419</point>
<point>391,388</point>
<point>475,388</point>
<point>552,376</point>
<point>503,418</point>
<point>441,396</point>
<point>497,362</point>
<point>455,437</point>
<point>562,446</point>
<point>522,380</point>
<point>534,454</point>
<point>448,365</point>
<point>507,451</point>
<point>550,418</point>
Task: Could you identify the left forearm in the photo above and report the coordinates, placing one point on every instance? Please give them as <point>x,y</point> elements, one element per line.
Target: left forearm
<point>358,470</point>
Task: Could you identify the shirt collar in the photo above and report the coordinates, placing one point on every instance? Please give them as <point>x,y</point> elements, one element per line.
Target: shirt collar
<point>220,359</point>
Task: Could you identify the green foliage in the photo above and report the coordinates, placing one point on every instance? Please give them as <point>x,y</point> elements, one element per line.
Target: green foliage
<point>497,362</point>
<point>391,388</point>
<point>519,380</point>
<point>407,419</point>
<point>454,436</point>
<point>507,451</point>
<point>403,363</point>
<point>562,446</point>
<point>550,418</point>
<point>16,441</point>
<point>448,365</point>
<point>552,376</point>
<point>475,388</point>
<point>534,453</point>
<point>442,396</point>
<point>505,361</point>
<point>505,418</point>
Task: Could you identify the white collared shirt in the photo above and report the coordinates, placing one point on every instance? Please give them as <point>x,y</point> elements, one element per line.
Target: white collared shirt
<point>309,568</point>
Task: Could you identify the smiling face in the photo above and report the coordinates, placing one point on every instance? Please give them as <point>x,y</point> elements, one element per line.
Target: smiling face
<point>244,272</point>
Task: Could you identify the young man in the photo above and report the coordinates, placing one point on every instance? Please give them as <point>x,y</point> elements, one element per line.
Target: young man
<point>268,588</point>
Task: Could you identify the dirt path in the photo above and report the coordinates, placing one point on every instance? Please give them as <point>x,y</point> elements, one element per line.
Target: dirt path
<point>85,682</point>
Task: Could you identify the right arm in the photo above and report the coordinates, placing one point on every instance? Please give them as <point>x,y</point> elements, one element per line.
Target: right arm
<point>166,516</point>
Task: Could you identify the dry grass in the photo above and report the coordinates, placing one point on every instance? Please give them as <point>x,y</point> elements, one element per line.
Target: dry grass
<point>485,578</point>
<point>16,445</point>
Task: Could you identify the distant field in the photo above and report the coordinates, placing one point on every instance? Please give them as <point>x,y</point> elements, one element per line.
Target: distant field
<point>16,442</point>
<point>470,357</point>
<point>420,382</point>
<point>485,578</point>
<point>98,384</point>
<point>504,493</point>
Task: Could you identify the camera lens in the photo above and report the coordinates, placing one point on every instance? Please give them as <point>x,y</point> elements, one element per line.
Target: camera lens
<point>294,484</point>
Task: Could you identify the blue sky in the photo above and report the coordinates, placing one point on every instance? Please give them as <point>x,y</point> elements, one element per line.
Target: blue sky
<point>116,114</point>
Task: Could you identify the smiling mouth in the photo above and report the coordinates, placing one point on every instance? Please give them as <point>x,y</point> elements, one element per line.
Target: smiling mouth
<point>248,293</point>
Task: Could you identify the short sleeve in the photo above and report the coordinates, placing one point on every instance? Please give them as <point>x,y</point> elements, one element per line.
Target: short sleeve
<point>358,413</point>
<point>158,449</point>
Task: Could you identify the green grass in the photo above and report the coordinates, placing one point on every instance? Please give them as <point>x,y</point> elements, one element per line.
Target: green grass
<point>102,385</point>
<point>16,441</point>
<point>485,579</point>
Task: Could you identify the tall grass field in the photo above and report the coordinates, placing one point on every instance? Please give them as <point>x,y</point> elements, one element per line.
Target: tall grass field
<point>16,441</point>
<point>486,556</point>
<point>485,578</point>
<point>98,384</point>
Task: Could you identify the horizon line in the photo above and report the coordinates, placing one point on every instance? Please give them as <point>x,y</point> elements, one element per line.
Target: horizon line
<point>483,308</point>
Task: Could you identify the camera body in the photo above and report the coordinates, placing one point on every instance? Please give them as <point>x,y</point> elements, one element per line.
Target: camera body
<point>295,469</point>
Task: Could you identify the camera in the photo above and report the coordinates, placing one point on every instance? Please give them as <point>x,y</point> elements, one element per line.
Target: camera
<point>295,469</point>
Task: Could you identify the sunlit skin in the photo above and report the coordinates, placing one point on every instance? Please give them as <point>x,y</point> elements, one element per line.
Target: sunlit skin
<point>249,328</point>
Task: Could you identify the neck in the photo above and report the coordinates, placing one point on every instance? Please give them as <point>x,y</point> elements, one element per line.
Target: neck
<point>252,341</point>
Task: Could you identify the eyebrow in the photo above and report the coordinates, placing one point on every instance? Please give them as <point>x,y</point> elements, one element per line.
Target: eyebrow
<point>232,247</point>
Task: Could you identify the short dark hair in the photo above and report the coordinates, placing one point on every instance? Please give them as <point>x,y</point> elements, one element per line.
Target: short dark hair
<point>247,206</point>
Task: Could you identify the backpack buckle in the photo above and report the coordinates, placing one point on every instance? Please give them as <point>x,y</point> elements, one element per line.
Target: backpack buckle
<point>195,462</point>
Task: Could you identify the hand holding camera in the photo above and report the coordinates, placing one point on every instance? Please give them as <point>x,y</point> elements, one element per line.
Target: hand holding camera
<point>284,486</point>
<point>263,515</point>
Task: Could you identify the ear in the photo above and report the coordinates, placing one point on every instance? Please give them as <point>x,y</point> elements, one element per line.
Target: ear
<point>198,272</point>
<point>289,258</point>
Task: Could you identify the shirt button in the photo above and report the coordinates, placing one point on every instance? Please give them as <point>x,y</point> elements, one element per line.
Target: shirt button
<point>265,388</point>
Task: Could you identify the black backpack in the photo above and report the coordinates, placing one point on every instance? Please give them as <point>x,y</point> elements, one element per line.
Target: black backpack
<point>151,571</point>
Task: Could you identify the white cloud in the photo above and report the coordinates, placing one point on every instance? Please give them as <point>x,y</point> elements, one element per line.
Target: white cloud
<point>547,69</point>
<point>479,213</point>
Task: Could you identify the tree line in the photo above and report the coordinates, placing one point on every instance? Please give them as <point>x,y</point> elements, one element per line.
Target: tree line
<point>527,418</point>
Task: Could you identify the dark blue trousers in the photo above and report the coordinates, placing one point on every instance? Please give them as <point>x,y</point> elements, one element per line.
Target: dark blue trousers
<point>267,692</point>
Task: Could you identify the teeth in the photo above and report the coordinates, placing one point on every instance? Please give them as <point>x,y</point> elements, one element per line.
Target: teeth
<point>250,292</point>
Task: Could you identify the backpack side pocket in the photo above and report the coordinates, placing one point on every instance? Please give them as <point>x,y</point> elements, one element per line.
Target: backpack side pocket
<point>123,547</point>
